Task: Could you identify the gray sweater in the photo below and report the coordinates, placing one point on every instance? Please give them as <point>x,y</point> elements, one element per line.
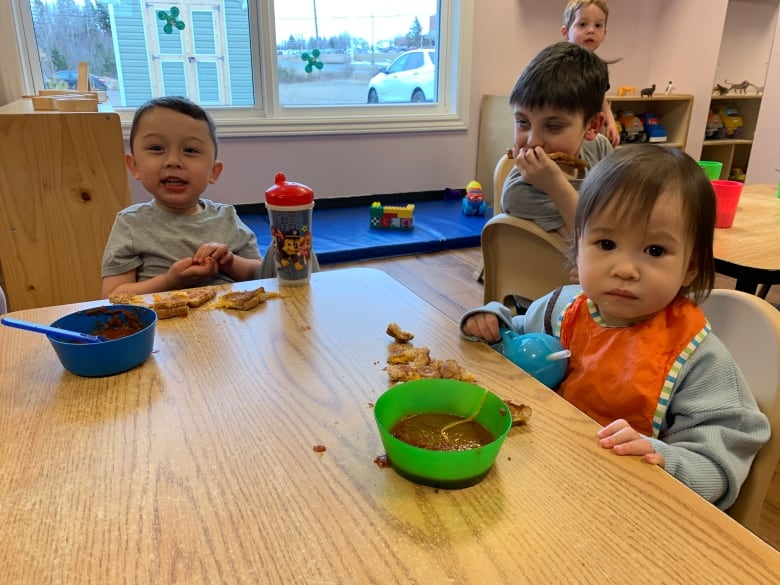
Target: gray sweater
<point>712,429</point>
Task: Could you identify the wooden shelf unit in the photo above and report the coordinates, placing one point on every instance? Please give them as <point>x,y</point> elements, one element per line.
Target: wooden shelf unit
<point>673,111</point>
<point>734,152</point>
<point>62,181</point>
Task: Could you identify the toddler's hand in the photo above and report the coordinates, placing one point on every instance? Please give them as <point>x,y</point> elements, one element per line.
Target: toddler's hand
<point>186,271</point>
<point>216,252</point>
<point>624,440</point>
<point>483,326</point>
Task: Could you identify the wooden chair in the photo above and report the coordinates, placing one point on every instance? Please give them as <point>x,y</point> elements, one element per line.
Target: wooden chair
<point>521,259</point>
<point>500,173</point>
<point>3,304</point>
<point>750,329</point>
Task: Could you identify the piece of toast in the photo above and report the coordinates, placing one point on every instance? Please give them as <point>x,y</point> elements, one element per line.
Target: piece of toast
<point>242,300</point>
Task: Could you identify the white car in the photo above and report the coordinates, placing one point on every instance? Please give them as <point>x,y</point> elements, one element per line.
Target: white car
<point>410,78</point>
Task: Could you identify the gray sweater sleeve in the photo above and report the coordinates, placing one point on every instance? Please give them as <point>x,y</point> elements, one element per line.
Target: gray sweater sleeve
<point>713,428</point>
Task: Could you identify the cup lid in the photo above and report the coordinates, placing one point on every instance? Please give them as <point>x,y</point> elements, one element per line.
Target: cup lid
<point>284,192</point>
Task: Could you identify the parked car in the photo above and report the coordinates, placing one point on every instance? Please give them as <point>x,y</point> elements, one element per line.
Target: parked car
<point>732,121</point>
<point>653,127</point>
<point>410,78</point>
<point>70,77</point>
<point>632,128</point>
<point>714,127</point>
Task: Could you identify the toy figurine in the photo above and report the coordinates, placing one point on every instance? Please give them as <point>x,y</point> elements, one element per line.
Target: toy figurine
<point>669,88</point>
<point>647,91</point>
<point>539,354</point>
<point>474,201</point>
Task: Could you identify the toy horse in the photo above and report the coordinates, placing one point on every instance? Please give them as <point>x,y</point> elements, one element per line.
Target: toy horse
<point>648,91</point>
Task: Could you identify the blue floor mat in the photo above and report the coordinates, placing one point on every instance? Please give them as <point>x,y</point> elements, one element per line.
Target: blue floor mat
<point>343,234</point>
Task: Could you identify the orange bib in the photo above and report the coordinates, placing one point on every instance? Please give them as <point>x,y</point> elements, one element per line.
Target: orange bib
<point>627,372</point>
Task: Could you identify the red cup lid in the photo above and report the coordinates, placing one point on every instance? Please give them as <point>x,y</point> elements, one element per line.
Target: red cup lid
<point>284,192</point>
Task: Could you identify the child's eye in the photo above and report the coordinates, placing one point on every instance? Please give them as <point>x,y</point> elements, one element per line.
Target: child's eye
<point>155,148</point>
<point>522,123</point>
<point>656,251</point>
<point>606,244</point>
<point>191,150</point>
<point>554,127</point>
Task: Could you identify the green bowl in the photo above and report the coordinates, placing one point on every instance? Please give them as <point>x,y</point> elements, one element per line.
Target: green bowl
<point>445,469</point>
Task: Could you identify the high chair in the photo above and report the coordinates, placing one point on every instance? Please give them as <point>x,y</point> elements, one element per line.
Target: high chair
<point>750,328</point>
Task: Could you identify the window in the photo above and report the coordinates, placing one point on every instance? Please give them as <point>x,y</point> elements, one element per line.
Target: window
<point>262,66</point>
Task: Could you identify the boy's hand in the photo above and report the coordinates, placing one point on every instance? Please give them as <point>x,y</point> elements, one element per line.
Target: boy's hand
<point>215,252</point>
<point>611,131</point>
<point>483,326</point>
<point>186,271</point>
<point>622,439</point>
<point>537,168</point>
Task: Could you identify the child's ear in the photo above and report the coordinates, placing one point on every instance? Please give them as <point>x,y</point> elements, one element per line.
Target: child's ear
<point>565,32</point>
<point>216,171</point>
<point>690,274</point>
<point>593,127</point>
<point>131,166</point>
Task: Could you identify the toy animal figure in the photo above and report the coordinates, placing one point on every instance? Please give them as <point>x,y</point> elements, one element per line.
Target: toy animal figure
<point>669,88</point>
<point>626,90</point>
<point>759,88</point>
<point>648,91</point>
<point>739,87</point>
<point>720,89</point>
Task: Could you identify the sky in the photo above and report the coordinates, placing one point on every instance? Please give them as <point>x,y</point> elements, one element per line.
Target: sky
<point>389,19</point>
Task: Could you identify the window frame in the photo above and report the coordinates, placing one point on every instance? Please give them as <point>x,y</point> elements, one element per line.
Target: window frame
<point>268,117</point>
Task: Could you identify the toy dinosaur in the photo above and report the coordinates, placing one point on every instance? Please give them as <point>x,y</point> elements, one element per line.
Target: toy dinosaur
<point>720,89</point>
<point>738,87</point>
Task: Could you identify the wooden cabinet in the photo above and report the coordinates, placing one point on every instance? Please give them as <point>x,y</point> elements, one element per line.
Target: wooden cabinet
<point>733,151</point>
<point>673,111</point>
<point>62,181</point>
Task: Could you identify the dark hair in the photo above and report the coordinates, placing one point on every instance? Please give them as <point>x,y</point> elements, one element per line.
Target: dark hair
<point>177,104</point>
<point>632,179</point>
<point>564,76</point>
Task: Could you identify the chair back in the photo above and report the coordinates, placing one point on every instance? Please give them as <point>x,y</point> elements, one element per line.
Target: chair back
<point>521,259</point>
<point>750,328</point>
<point>500,173</point>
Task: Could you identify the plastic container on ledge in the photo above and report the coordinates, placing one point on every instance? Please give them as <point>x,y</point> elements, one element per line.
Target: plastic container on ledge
<point>289,208</point>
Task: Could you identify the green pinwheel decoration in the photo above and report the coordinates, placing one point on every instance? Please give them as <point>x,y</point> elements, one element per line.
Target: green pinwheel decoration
<point>312,60</point>
<point>171,19</point>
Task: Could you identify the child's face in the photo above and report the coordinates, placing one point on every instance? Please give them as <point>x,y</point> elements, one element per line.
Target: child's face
<point>633,273</point>
<point>174,159</point>
<point>588,29</point>
<point>553,129</point>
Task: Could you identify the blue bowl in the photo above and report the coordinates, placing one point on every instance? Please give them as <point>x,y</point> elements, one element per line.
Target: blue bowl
<point>112,356</point>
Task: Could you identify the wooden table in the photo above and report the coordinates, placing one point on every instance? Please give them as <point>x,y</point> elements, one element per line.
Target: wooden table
<point>750,249</point>
<point>198,466</point>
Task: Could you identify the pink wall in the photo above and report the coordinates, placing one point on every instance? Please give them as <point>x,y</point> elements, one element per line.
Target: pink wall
<point>657,41</point>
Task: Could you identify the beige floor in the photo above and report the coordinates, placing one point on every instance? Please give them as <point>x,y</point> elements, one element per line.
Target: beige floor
<point>445,280</point>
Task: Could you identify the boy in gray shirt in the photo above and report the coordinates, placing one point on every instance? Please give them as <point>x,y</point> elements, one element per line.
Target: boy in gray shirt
<point>178,239</point>
<point>557,103</point>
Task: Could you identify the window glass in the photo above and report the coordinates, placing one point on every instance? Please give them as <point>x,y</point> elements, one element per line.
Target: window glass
<point>260,64</point>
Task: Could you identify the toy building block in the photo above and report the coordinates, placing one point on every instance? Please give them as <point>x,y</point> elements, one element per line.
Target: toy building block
<point>391,216</point>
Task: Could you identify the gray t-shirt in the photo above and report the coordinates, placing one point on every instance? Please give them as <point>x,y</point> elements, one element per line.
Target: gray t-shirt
<point>521,199</point>
<point>150,239</point>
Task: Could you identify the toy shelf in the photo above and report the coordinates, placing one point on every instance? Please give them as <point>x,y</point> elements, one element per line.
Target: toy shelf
<point>734,152</point>
<point>673,111</point>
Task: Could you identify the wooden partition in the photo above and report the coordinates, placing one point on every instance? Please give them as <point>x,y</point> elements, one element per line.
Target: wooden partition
<point>62,181</point>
